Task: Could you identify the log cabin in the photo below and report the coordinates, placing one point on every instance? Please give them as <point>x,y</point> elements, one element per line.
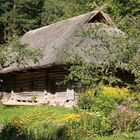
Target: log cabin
<point>41,78</point>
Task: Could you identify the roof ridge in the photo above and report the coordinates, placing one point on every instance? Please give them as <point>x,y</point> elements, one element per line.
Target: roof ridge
<point>47,26</point>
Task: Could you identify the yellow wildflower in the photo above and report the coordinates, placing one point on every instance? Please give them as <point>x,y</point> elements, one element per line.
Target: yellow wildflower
<point>115,91</point>
<point>72,118</point>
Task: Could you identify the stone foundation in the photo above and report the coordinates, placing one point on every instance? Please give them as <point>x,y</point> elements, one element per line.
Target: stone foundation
<point>65,99</point>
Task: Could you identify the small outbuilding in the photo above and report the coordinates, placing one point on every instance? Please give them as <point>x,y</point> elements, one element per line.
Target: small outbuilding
<point>37,82</point>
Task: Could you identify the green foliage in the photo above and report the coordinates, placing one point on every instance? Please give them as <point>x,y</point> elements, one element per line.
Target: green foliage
<point>57,10</point>
<point>33,122</point>
<point>86,102</point>
<point>14,51</point>
<point>124,119</point>
<point>111,118</point>
<point>90,124</point>
<point>94,62</point>
<point>134,66</point>
<point>99,103</point>
<point>96,54</point>
<point>19,16</point>
<point>106,117</point>
<point>13,130</point>
<point>48,122</point>
<point>95,124</point>
<point>103,104</point>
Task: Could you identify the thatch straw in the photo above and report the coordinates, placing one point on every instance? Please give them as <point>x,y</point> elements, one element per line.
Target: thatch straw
<point>55,36</point>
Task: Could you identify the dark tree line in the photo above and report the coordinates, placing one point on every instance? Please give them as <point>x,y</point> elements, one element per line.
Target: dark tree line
<point>20,16</point>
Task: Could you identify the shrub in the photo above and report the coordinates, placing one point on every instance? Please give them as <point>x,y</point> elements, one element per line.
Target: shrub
<point>98,103</point>
<point>86,101</point>
<point>104,104</point>
<point>13,130</point>
<point>93,124</point>
<point>124,119</point>
<point>96,124</point>
<point>90,125</point>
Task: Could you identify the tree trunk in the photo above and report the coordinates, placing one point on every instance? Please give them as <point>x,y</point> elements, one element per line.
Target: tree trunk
<point>14,17</point>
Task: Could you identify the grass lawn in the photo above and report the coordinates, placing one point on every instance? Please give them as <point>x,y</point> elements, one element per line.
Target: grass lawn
<point>47,112</point>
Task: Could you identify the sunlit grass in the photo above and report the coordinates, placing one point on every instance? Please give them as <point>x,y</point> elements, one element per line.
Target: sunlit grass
<point>37,112</point>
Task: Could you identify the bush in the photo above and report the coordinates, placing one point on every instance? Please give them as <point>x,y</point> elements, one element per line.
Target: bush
<point>124,119</point>
<point>98,103</point>
<point>89,125</point>
<point>86,101</point>
<point>96,124</point>
<point>93,124</point>
<point>13,130</point>
<point>104,104</point>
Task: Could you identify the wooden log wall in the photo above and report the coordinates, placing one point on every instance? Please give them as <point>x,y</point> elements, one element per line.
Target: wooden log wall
<point>45,79</point>
<point>30,81</point>
<point>8,83</point>
<point>54,77</point>
<point>36,80</point>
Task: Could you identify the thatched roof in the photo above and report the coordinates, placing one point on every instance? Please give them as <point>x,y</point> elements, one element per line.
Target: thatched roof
<point>52,37</point>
